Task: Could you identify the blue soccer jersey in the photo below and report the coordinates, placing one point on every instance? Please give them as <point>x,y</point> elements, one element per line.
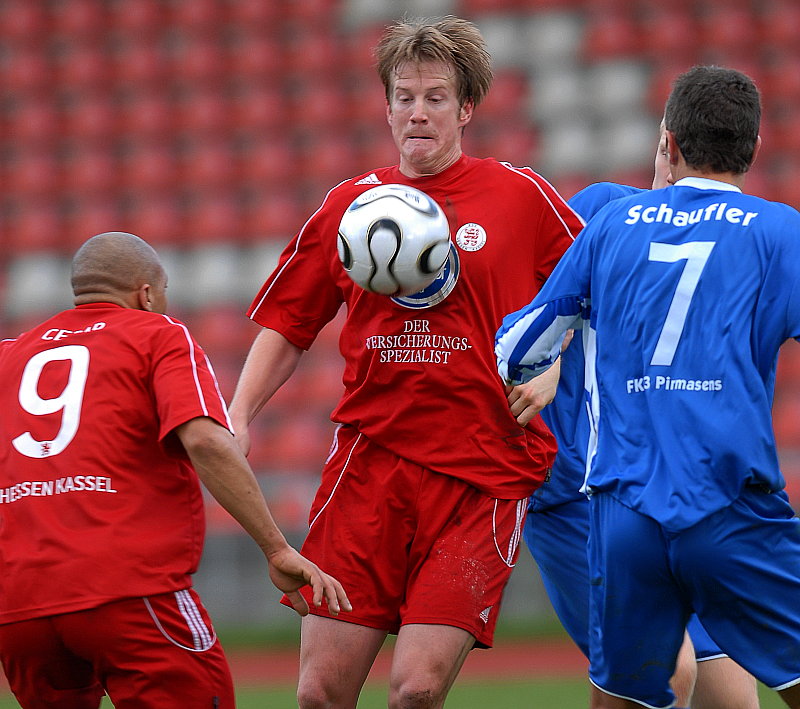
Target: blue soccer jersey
<point>691,289</point>
<point>567,416</point>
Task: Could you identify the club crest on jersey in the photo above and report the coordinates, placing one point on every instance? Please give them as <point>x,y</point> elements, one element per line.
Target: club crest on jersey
<point>437,291</point>
<point>471,237</point>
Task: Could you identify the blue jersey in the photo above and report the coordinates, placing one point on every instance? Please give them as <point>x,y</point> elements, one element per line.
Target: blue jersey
<point>567,416</point>
<point>691,291</point>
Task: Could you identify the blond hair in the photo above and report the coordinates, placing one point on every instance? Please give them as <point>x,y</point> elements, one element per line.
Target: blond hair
<point>451,40</point>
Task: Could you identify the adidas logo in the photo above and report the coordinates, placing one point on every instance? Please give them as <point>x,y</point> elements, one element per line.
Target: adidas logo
<point>371,179</point>
<point>484,615</point>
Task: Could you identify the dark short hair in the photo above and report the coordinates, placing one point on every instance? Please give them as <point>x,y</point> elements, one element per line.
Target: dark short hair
<point>714,114</point>
<point>451,40</point>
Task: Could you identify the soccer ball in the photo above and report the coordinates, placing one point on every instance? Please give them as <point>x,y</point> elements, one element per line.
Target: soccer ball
<point>393,240</point>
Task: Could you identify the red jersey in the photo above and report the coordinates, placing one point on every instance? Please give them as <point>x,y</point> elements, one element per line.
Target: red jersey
<point>98,501</point>
<point>423,383</point>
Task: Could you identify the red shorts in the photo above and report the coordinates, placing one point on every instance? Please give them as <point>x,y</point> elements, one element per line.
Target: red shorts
<point>410,545</point>
<point>159,652</point>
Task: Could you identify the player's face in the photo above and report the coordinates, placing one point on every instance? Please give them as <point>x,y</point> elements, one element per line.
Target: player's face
<point>661,174</point>
<point>425,117</point>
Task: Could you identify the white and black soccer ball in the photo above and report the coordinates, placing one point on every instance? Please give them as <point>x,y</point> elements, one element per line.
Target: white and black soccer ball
<point>393,240</point>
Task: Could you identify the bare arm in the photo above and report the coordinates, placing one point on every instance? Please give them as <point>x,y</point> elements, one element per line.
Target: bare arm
<point>222,467</point>
<point>271,361</point>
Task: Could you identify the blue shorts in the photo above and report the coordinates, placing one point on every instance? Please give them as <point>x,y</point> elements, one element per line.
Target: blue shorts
<point>739,569</point>
<point>557,539</point>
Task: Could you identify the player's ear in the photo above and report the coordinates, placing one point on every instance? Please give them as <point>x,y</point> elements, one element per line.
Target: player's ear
<point>673,151</point>
<point>465,112</point>
<point>755,150</point>
<point>143,297</point>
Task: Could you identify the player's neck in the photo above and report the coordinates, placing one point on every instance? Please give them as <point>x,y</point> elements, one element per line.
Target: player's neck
<point>731,178</point>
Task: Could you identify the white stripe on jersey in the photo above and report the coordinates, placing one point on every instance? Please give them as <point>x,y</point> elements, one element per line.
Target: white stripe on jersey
<point>194,361</point>
<point>519,171</point>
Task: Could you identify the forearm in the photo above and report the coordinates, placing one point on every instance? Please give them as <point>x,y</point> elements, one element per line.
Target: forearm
<point>271,361</point>
<point>224,471</point>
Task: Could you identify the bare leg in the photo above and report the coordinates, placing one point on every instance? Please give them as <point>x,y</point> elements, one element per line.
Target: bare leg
<point>722,684</point>
<point>427,660</point>
<point>683,679</point>
<point>791,696</point>
<point>335,659</point>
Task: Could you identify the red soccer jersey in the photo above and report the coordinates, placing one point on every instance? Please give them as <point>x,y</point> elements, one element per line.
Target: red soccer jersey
<point>97,500</point>
<point>423,383</point>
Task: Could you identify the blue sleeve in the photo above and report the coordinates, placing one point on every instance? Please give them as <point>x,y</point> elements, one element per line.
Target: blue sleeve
<point>593,198</point>
<point>529,340</point>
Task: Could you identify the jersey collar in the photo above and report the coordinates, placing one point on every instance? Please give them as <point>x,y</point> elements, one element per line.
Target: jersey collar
<point>703,183</point>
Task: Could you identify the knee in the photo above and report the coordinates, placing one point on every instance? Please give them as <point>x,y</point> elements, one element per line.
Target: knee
<point>315,695</point>
<point>417,693</point>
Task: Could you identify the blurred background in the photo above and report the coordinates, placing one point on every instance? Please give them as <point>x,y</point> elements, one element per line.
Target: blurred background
<point>213,128</point>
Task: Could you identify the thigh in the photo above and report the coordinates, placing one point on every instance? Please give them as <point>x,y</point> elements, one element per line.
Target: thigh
<point>742,565</point>
<point>335,659</point>
<point>557,539</point>
<point>42,672</point>
<point>159,652</point>
<point>464,550</point>
<point>637,615</point>
<point>722,684</point>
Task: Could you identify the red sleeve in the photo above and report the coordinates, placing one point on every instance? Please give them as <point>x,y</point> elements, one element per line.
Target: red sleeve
<point>302,295</point>
<point>184,384</point>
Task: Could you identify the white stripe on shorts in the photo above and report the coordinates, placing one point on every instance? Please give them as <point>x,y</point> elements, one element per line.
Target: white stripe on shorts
<point>202,637</point>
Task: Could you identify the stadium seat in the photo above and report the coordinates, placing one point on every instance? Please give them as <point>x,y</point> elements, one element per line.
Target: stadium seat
<point>157,217</point>
<point>611,34</point>
<point>92,215</point>
<point>258,108</point>
<point>83,20</point>
<point>91,170</point>
<point>199,17</point>
<point>269,161</point>
<point>208,164</point>
<point>780,25</point>
<point>728,28</point>
<point>199,61</point>
<point>35,226</point>
<point>35,122</point>
<point>214,217</point>
<point>277,214</point>
<point>22,20</point>
<point>149,167</point>
<point>26,69</point>
<point>149,116</point>
<point>83,67</point>
<point>672,35</point>
<point>138,19</point>
<point>257,54</point>
<point>33,175</point>
<point>205,113</point>
<point>140,62</point>
<point>92,118</point>
<point>313,53</point>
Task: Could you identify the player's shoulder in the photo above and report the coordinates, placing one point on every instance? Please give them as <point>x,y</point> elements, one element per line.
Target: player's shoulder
<point>588,201</point>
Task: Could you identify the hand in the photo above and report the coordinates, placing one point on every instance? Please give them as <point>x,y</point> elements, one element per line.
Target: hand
<point>527,400</point>
<point>289,571</point>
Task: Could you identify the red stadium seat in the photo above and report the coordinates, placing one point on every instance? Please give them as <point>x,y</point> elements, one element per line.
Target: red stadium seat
<point>199,16</point>
<point>215,216</point>
<point>140,62</point>
<point>672,35</point>
<point>92,118</point>
<point>150,167</point>
<point>149,116</point>
<point>83,67</point>
<point>780,25</point>
<point>138,19</point>
<point>206,113</point>
<point>27,69</point>
<point>257,55</point>
<point>36,226</point>
<point>92,170</point>
<point>729,28</point>
<point>270,163</point>
<point>199,61</point>
<point>258,109</point>
<point>157,218</point>
<point>277,214</point>
<point>36,175</point>
<point>314,53</point>
<point>257,13</point>
<point>611,34</point>
<point>92,215</point>
<point>80,19</point>
<point>209,164</point>
<point>35,122</point>
<point>21,20</point>
<point>507,97</point>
